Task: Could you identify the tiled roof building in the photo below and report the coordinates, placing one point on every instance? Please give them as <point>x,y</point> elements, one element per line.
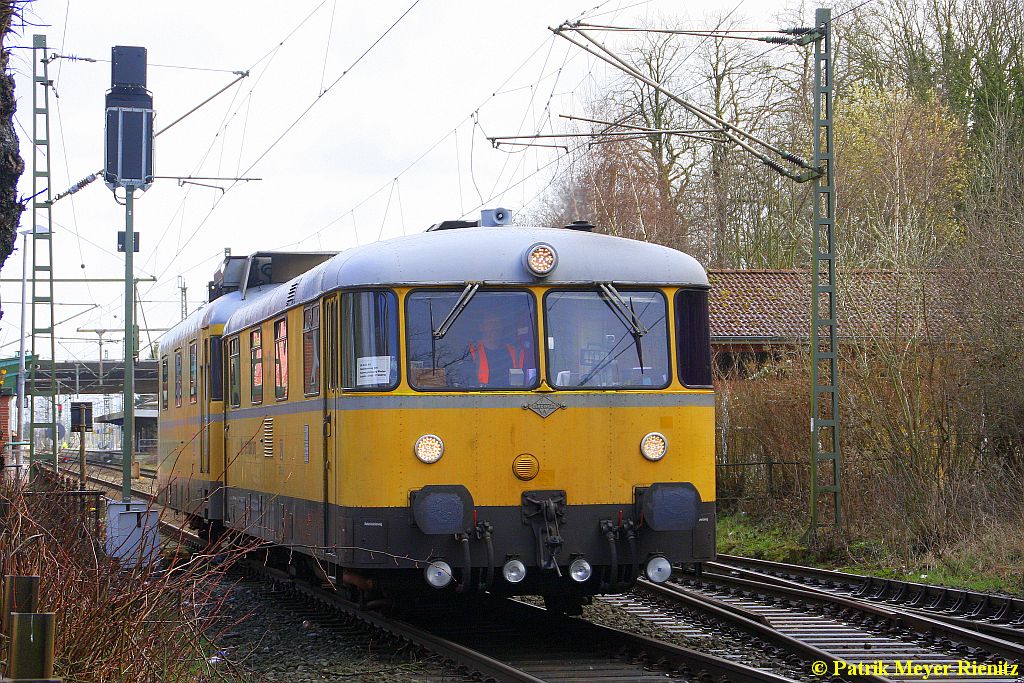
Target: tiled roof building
<point>763,307</point>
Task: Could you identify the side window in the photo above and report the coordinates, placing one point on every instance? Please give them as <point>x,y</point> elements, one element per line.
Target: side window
<point>369,324</point>
<point>164,388</point>
<point>694,337</point>
<point>256,367</point>
<point>177,378</point>
<point>281,359</point>
<point>234,374</point>
<point>215,372</point>
<point>193,372</point>
<point>311,350</point>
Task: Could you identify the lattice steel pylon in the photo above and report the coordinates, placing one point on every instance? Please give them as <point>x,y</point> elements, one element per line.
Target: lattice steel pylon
<point>43,321</point>
<point>825,455</point>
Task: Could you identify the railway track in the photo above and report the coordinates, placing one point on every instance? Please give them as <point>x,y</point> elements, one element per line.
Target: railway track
<point>829,633</point>
<point>999,615</point>
<point>507,640</point>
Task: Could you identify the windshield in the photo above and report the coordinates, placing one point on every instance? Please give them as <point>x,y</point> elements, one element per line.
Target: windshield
<point>490,345</point>
<point>593,341</point>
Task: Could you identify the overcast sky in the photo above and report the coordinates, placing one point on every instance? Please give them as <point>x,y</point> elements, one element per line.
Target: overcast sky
<point>392,146</point>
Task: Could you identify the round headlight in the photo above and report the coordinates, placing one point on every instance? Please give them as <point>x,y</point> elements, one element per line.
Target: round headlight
<point>541,259</point>
<point>429,448</point>
<point>654,446</point>
<point>580,570</point>
<point>658,569</point>
<point>438,574</point>
<point>514,571</point>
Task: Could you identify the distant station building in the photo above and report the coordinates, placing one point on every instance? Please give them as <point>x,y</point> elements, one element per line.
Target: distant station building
<point>145,440</point>
<point>8,394</point>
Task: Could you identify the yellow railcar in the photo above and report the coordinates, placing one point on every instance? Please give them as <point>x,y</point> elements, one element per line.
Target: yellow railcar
<point>516,410</point>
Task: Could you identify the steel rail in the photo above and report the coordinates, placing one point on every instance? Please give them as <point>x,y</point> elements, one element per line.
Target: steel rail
<point>506,613</point>
<point>985,612</point>
<point>652,650</point>
<point>479,663</point>
<point>913,621</point>
<point>999,608</point>
<point>745,620</point>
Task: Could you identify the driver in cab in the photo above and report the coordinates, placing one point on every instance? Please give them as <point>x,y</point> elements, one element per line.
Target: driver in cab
<point>497,358</point>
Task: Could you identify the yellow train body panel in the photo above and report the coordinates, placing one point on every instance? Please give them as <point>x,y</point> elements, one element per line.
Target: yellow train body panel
<point>592,453</point>
<point>331,471</point>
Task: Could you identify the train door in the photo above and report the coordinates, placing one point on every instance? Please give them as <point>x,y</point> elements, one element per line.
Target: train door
<point>204,409</point>
<point>332,390</point>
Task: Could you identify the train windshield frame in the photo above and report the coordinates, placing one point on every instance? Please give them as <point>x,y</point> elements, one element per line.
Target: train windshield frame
<point>488,344</point>
<point>611,340</point>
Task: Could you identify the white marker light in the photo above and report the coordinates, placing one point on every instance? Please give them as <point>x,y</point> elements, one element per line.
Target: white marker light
<point>438,574</point>
<point>580,570</point>
<point>514,571</point>
<point>658,569</point>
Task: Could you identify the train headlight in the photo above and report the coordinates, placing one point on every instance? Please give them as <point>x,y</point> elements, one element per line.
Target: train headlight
<point>540,259</point>
<point>514,571</point>
<point>580,570</point>
<point>658,569</point>
<point>429,448</point>
<point>438,573</point>
<point>654,446</point>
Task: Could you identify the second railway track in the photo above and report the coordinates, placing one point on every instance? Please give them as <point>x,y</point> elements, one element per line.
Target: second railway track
<point>857,639</point>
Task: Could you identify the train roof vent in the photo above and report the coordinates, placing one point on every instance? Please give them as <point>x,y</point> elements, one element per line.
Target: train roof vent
<point>291,293</point>
<point>453,225</point>
<point>584,226</point>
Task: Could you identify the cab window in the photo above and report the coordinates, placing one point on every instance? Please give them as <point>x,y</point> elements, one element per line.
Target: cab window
<point>369,328</point>
<point>607,339</point>
<point>694,337</point>
<point>487,344</point>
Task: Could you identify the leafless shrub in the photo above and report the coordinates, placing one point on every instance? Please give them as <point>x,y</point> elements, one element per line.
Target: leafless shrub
<point>154,622</point>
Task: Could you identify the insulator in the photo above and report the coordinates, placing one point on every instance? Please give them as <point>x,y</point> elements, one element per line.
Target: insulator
<point>776,39</point>
<point>793,158</point>
<point>774,166</point>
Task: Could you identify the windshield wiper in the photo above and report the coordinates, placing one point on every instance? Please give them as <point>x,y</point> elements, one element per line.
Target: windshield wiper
<point>627,315</point>
<point>457,309</point>
<point>622,310</point>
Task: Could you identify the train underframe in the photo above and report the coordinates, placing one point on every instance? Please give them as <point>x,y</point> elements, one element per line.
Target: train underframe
<point>545,546</point>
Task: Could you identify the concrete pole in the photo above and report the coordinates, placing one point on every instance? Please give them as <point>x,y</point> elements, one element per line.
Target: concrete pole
<point>81,461</point>
<point>128,426</point>
<point>22,434</point>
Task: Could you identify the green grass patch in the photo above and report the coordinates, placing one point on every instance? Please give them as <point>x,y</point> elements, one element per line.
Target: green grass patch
<point>982,565</point>
<point>740,535</point>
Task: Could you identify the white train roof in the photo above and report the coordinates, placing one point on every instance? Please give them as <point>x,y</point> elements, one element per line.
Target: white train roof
<point>492,256</point>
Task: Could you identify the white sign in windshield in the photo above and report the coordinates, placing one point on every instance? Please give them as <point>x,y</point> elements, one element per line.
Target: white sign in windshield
<point>372,370</point>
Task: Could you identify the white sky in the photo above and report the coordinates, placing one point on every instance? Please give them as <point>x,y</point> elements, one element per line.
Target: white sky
<point>449,72</point>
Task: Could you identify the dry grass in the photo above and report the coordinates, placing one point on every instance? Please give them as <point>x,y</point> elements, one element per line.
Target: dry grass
<point>153,622</point>
<point>925,488</point>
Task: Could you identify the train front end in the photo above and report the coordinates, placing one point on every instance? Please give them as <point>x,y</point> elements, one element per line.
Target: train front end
<point>547,425</point>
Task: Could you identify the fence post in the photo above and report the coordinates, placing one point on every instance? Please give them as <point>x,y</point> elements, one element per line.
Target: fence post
<point>30,655</point>
<point>21,594</point>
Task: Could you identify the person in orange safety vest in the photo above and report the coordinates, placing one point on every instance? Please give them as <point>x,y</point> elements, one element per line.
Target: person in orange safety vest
<point>492,356</point>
